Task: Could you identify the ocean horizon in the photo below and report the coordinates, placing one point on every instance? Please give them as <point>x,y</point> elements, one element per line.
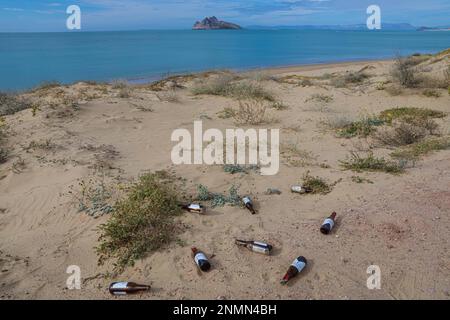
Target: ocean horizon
<point>29,59</point>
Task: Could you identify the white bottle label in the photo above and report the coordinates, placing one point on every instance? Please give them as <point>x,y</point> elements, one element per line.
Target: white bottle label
<point>200,256</point>
<point>195,207</point>
<point>330,222</point>
<point>297,189</point>
<point>262,244</point>
<point>260,249</point>
<point>119,285</point>
<point>247,200</point>
<point>299,265</point>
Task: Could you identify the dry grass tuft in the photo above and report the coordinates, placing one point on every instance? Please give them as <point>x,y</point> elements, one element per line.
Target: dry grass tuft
<point>252,112</point>
<point>227,86</point>
<point>11,103</point>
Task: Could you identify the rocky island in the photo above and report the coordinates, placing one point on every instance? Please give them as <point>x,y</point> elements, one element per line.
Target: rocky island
<point>212,23</point>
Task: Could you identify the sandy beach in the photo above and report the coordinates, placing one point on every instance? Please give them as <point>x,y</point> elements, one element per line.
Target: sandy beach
<point>109,134</point>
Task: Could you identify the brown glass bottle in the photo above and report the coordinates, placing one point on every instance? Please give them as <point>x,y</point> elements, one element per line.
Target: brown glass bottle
<point>328,224</point>
<point>124,288</point>
<point>296,267</point>
<point>200,259</point>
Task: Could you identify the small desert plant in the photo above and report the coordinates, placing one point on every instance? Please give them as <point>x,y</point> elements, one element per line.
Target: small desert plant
<point>46,144</point>
<point>233,168</point>
<point>370,163</point>
<point>447,74</point>
<point>170,95</point>
<point>141,222</point>
<point>219,199</point>
<point>362,128</point>
<point>251,112</point>
<point>401,134</point>
<point>259,76</point>
<point>278,105</point>
<point>316,184</point>
<point>119,84</point>
<point>47,85</point>
<point>404,73</point>
<point>323,98</point>
<point>422,148</point>
<point>431,93</point>
<point>3,150</point>
<point>358,179</point>
<point>251,90</point>
<point>124,93</point>
<point>94,197</point>
<point>226,86</point>
<point>3,155</point>
<point>226,113</point>
<point>220,86</point>
<point>409,114</point>
<point>348,78</point>
<point>10,104</point>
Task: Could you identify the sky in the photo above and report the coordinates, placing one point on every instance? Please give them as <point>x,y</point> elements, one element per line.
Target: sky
<point>97,15</point>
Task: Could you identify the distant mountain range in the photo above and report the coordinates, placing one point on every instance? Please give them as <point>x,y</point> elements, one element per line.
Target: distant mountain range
<point>434,29</point>
<point>212,23</point>
<point>385,26</point>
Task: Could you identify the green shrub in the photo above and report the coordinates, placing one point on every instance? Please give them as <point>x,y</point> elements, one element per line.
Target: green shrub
<point>219,199</point>
<point>410,114</point>
<point>371,163</point>
<point>316,184</point>
<point>431,93</point>
<point>362,128</point>
<point>422,148</point>
<point>233,169</point>
<point>141,222</point>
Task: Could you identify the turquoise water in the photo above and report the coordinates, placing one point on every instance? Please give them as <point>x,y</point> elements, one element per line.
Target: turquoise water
<point>27,59</point>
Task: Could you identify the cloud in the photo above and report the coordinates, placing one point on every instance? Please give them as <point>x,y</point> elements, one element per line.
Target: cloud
<point>13,9</point>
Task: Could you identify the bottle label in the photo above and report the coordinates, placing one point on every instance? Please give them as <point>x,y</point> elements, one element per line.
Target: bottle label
<point>261,244</point>
<point>259,249</point>
<point>330,222</point>
<point>299,265</point>
<point>194,207</point>
<point>200,256</point>
<point>297,189</point>
<point>120,285</point>
<point>247,200</point>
